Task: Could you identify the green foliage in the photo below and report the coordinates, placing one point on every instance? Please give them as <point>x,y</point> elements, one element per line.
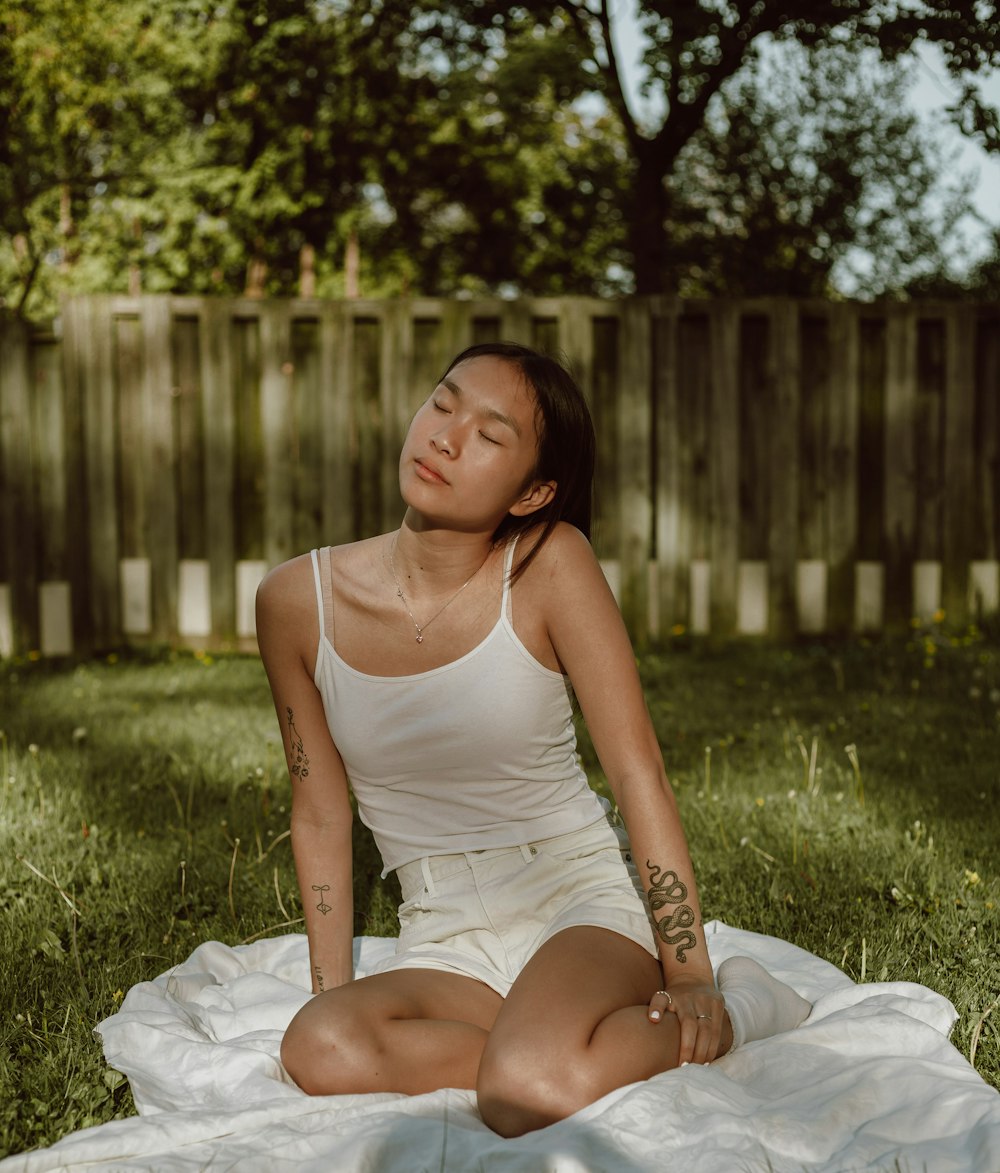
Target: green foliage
<point>462,147</point>
<point>811,175</point>
<point>843,796</point>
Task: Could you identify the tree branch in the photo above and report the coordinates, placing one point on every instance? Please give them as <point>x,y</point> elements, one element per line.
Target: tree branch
<point>614,90</point>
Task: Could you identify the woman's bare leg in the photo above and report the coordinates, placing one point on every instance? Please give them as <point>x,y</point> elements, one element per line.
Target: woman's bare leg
<point>408,1030</point>
<point>574,1027</point>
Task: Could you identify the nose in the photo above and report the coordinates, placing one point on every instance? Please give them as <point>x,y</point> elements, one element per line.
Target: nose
<point>443,442</point>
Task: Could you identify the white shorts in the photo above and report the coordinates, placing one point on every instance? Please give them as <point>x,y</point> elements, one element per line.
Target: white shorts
<point>482,914</point>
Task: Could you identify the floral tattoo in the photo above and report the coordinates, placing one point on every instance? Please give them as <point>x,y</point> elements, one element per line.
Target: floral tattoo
<point>298,763</point>
<point>666,887</point>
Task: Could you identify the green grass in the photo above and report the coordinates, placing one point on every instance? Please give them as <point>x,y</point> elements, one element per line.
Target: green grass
<point>144,808</point>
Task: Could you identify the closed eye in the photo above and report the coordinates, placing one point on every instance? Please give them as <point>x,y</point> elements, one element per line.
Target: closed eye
<point>441,407</point>
<point>489,439</point>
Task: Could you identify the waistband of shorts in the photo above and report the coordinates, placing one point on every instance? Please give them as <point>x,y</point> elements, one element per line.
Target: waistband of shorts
<point>430,868</point>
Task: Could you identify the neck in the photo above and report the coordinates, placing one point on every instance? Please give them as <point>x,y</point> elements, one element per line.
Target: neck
<point>433,560</point>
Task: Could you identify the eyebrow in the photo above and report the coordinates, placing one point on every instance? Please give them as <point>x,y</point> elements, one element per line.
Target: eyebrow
<point>499,416</point>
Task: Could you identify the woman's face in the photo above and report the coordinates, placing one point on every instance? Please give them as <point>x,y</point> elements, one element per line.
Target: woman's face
<point>471,449</point>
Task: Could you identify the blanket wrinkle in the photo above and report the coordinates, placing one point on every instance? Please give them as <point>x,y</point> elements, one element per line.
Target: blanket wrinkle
<point>868,1082</point>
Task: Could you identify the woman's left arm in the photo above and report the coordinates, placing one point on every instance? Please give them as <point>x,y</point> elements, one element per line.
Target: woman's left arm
<point>589,637</point>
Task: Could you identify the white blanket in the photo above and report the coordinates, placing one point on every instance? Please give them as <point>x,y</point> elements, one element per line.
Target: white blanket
<point>869,1081</point>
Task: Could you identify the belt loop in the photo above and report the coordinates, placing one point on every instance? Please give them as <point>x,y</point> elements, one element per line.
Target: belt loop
<point>526,853</point>
<point>425,871</point>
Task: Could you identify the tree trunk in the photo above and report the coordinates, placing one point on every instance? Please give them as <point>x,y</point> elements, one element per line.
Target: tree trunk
<point>647,222</point>
<point>352,265</point>
<point>256,276</point>
<point>307,271</point>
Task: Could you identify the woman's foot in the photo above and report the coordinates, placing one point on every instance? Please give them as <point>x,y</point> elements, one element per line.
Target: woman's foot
<point>757,1003</point>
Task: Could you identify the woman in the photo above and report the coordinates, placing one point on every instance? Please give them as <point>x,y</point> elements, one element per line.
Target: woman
<point>542,960</point>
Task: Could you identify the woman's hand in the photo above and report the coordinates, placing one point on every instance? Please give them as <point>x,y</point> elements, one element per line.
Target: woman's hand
<point>700,1011</point>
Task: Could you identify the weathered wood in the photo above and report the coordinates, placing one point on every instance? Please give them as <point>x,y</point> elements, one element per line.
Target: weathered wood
<point>957,515</point>
<point>189,436</point>
<point>783,471</point>
<point>277,415</point>
<point>797,462</point>
<point>133,430</point>
<point>307,438</point>
<point>19,553</point>
<point>900,505</point>
<point>673,558</point>
<point>635,481</point>
<point>250,461</point>
<point>219,454</point>
<point>841,462</point>
<point>336,373</point>
<point>399,401</point>
<point>49,447</point>
<point>77,546</point>
<point>160,463</point>
<point>724,449</point>
<point>367,424</point>
<point>928,436</point>
<point>95,350</point>
<point>986,439</point>
<point>814,441</point>
<point>604,411</point>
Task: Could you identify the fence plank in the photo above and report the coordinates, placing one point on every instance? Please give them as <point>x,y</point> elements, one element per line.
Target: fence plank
<point>189,436</point>
<point>160,463</point>
<point>635,523</point>
<point>986,449</point>
<point>843,390</point>
<point>17,505</point>
<point>673,558</point>
<point>336,375</point>
<point>95,349</point>
<point>48,425</point>
<point>398,404</point>
<point>783,471</point>
<point>899,517</point>
<point>958,518</point>
<point>277,413</point>
<point>219,424</point>
<point>724,449</point>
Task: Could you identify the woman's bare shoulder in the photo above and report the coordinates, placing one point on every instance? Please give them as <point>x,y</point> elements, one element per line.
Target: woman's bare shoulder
<point>285,585</point>
<point>565,552</point>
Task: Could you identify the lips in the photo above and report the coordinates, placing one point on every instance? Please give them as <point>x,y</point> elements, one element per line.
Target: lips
<point>428,472</point>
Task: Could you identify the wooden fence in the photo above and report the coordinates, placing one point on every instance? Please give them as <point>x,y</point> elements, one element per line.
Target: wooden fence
<point>764,467</point>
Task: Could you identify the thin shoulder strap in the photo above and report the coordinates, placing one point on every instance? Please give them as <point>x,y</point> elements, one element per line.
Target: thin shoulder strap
<point>508,567</point>
<point>323,576</point>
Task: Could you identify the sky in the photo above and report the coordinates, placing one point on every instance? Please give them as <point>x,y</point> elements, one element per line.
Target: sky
<point>931,93</point>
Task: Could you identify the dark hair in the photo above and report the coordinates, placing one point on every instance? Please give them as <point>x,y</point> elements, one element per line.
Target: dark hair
<point>566,444</point>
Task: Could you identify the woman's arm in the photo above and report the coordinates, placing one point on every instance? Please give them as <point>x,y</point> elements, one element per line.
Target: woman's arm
<point>288,635</point>
<point>590,640</point>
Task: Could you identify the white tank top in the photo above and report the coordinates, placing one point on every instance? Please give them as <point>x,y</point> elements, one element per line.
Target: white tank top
<point>477,753</point>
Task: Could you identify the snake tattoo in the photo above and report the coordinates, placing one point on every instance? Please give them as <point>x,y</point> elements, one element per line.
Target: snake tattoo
<point>666,887</point>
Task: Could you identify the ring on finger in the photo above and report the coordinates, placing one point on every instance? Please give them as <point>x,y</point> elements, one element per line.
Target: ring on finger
<point>665,994</point>
<point>708,1016</point>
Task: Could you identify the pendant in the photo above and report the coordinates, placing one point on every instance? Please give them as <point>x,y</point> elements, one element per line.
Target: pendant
<point>420,639</point>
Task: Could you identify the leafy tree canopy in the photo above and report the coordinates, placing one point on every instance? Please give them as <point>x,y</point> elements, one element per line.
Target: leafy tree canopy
<point>469,145</point>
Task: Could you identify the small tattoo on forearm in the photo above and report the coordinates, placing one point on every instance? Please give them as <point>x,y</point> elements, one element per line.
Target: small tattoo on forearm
<point>323,907</point>
<point>319,978</point>
<point>666,887</point>
<point>298,761</point>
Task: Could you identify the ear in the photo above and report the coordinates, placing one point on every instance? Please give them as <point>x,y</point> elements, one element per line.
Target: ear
<point>537,496</point>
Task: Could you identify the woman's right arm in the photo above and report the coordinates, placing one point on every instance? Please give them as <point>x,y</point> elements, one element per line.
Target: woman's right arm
<point>288,634</point>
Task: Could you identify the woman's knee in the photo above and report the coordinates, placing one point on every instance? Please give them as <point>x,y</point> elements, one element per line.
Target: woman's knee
<point>521,1092</point>
<point>325,1053</point>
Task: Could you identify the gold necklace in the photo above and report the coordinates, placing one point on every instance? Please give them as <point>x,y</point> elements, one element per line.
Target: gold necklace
<point>422,627</point>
